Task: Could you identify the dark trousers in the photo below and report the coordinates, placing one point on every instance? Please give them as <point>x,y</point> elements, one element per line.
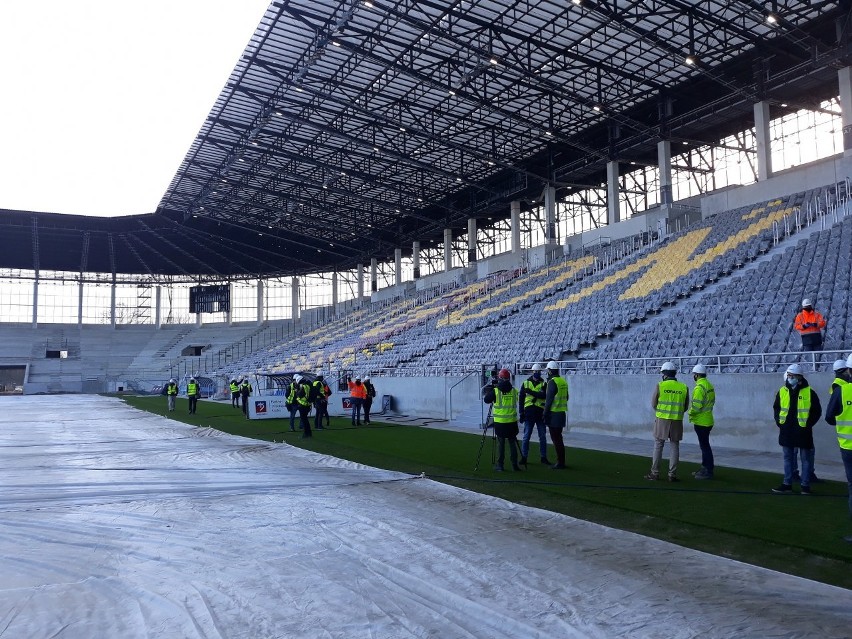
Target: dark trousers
<point>501,450</point>
<point>235,399</point>
<point>703,434</point>
<point>367,403</point>
<point>812,342</point>
<point>558,444</point>
<point>294,410</point>
<point>846,456</point>
<point>304,421</point>
<point>193,403</point>
<point>245,404</point>
<point>321,408</point>
<point>357,403</point>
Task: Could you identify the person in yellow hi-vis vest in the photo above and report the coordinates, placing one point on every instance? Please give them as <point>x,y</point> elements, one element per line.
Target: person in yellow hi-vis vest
<point>701,416</point>
<point>504,400</point>
<point>796,410</point>
<point>838,413</point>
<point>669,402</point>
<point>192,395</point>
<point>171,392</point>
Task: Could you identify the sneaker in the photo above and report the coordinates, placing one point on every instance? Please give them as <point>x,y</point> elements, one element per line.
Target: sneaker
<point>703,475</point>
<point>545,461</point>
<point>498,468</point>
<point>848,539</point>
<point>806,490</point>
<point>558,467</point>
<point>699,471</point>
<point>816,480</point>
<point>652,477</point>
<point>783,489</point>
<point>672,478</point>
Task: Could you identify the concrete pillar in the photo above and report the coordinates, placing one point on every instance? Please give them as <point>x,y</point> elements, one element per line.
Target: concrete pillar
<point>374,277</point>
<point>415,257</point>
<point>359,274</point>
<point>664,160</point>
<point>294,298</point>
<point>334,293</point>
<point>112,317</point>
<point>158,306</point>
<point>80,303</point>
<point>515,225</point>
<point>397,266</point>
<point>35,300</point>
<point>764,146</point>
<point>844,79</point>
<point>260,309</point>
<point>613,206</point>
<point>549,216</point>
<point>229,314</point>
<point>448,250</point>
<point>471,240</point>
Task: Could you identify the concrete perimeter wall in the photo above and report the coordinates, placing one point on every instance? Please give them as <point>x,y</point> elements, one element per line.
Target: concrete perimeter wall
<point>620,406</point>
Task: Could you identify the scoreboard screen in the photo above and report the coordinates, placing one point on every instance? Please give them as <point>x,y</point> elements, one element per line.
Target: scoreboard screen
<point>210,299</point>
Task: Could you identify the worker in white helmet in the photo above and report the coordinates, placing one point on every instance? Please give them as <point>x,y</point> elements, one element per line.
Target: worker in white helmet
<point>838,413</point>
<point>171,393</point>
<point>531,401</point>
<point>669,402</point>
<point>796,409</point>
<point>701,417</point>
<point>556,411</point>
<point>291,404</point>
<point>810,325</point>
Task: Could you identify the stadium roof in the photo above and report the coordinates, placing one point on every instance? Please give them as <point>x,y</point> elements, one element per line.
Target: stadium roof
<point>351,128</point>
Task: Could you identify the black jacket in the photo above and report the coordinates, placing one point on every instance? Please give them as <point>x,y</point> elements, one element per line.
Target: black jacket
<point>790,433</point>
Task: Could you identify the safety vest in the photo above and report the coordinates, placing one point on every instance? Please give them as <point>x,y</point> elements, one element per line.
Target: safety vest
<point>809,317</point>
<point>532,385</point>
<point>191,389</point>
<point>838,381</point>
<point>505,406</point>
<point>304,397</point>
<point>560,402</point>
<point>357,390</point>
<point>234,387</point>
<point>671,400</point>
<point>703,400</point>
<point>291,394</point>
<point>844,419</point>
<point>803,407</point>
<point>172,389</point>
<point>245,386</point>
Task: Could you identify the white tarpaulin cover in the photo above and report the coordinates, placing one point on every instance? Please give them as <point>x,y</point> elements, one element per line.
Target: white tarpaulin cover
<point>115,523</point>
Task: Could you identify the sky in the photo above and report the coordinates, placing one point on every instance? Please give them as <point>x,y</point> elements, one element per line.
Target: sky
<point>101,99</point>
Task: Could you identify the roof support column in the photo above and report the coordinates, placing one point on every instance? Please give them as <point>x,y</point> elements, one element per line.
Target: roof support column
<point>294,298</point>
<point>415,257</point>
<point>613,210</point>
<point>549,215</point>
<point>374,278</point>
<point>112,318</point>
<point>515,225</point>
<point>334,293</point>
<point>471,240</point>
<point>764,147</point>
<point>448,250</point>
<point>158,305</point>
<point>260,310</point>
<point>844,78</point>
<point>397,266</point>
<point>664,160</point>
<point>35,300</point>
<point>359,276</point>
<point>229,314</point>
<point>80,302</point>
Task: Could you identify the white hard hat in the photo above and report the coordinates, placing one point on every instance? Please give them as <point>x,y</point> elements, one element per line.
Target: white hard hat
<point>794,369</point>
<point>297,377</point>
<point>839,365</point>
<point>668,366</point>
<point>367,378</point>
<point>806,302</point>
<point>172,380</point>
<point>536,367</point>
<point>849,362</point>
<point>552,366</point>
<point>192,379</point>
<point>701,369</point>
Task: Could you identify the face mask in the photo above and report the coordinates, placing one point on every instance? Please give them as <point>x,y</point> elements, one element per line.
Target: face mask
<point>793,381</point>
<point>536,374</point>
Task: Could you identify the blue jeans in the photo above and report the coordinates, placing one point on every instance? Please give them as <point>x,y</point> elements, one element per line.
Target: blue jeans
<point>846,456</point>
<point>293,412</point>
<point>703,434</point>
<point>357,403</point>
<point>534,418</point>
<point>790,464</point>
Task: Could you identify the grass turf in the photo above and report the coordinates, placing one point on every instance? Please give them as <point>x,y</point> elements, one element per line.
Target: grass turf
<point>734,516</point>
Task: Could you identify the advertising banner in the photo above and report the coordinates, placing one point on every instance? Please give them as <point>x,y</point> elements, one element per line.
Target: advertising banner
<point>268,407</point>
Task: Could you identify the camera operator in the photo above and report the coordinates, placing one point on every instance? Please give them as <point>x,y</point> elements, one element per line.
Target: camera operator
<point>504,400</point>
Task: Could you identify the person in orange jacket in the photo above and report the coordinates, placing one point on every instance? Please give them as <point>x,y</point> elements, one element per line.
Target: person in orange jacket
<point>357,394</point>
<point>810,325</point>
